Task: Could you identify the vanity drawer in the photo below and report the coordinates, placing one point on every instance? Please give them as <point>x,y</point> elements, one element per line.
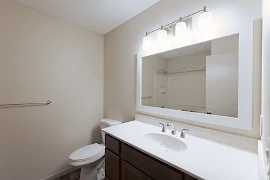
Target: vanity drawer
<point>112,144</point>
<point>112,165</point>
<point>151,167</point>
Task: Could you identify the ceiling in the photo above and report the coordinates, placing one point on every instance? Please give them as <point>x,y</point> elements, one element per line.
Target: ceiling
<point>100,16</point>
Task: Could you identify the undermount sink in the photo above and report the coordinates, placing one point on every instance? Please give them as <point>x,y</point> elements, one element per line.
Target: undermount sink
<point>168,143</point>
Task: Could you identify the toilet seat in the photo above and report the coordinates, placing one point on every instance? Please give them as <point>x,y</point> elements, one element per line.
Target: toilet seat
<point>87,155</point>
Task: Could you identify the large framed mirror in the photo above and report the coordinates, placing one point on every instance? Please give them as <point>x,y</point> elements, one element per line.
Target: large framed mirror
<point>209,82</point>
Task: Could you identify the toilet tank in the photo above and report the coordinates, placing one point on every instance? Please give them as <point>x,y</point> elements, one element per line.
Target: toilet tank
<point>104,123</point>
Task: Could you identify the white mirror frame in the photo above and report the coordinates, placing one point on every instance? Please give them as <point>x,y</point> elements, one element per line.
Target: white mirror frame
<point>245,85</point>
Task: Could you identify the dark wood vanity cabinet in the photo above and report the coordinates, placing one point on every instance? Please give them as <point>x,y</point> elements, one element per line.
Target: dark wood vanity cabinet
<point>123,162</point>
<point>128,172</point>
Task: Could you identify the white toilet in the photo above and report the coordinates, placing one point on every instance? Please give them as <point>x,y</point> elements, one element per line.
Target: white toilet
<point>91,158</point>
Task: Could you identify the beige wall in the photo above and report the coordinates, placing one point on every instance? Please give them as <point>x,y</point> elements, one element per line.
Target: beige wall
<point>222,84</point>
<point>225,45</point>
<point>123,43</point>
<point>44,59</point>
<point>150,66</point>
<point>222,77</point>
<point>187,89</point>
<point>161,84</point>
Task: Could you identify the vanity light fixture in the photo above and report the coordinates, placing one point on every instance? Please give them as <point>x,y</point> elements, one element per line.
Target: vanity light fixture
<point>205,25</point>
<point>205,20</point>
<point>147,42</point>
<point>180,28</point>
<point>162,36</point>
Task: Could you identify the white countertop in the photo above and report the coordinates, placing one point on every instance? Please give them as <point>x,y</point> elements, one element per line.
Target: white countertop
<point>204,159</point>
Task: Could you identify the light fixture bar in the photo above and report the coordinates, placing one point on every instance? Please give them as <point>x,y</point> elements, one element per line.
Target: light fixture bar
<point>174,22</point>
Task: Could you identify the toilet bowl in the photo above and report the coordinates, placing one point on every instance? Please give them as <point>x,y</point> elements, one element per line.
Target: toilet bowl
<point>91,158</point>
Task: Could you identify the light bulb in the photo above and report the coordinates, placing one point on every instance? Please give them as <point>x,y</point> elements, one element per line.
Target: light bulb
<point>205,19</point>
<point>180,29</point>
<point>205,25</point>
<point>182,34</point>
<point>162,36</point>
<point>147,43</point>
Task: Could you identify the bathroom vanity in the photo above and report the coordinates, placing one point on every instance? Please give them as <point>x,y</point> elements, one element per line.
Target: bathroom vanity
<point>139,150</point>
<point>127,163</point>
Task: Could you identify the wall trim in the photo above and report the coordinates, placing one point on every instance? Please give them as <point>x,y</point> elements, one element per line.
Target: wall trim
<point>61,173</point>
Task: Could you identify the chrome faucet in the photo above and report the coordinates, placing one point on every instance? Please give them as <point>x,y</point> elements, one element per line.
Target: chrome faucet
<point>183,135</point>
<point>163,127</point>
<point>173,127</point>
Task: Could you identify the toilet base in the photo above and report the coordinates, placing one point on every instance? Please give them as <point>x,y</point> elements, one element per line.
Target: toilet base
<point>94,172</point>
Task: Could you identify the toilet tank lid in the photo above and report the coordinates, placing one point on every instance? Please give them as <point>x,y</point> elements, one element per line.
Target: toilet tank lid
<point>110,122</point>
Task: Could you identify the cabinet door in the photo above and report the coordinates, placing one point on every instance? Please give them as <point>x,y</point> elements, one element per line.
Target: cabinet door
<point>112,166</point>
<point>131,173</point>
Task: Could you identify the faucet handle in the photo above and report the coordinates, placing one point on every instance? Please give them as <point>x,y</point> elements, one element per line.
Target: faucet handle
<point>163,127</point>
<point>183,135</point>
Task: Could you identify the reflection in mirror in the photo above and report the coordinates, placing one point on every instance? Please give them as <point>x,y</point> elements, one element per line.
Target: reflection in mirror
<point>201,78</point>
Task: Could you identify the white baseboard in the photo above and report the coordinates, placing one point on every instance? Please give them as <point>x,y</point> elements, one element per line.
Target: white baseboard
<point>59,174</point>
